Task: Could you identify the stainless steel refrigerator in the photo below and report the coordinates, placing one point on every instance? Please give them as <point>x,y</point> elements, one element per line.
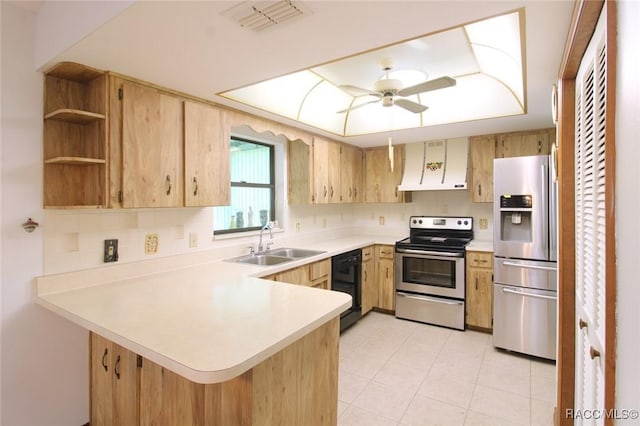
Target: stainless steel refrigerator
<point>525,256</point>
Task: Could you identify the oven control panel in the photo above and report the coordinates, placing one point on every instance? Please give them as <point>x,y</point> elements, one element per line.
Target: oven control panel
<point>441,222</point>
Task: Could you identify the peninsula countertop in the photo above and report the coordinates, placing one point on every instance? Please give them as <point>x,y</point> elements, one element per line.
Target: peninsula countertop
<point>208,322</point>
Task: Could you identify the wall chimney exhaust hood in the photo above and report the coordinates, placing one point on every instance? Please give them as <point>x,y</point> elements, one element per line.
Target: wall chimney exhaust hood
<point>435,165</point>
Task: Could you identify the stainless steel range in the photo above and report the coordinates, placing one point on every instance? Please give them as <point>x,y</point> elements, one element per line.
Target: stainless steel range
<point>430,270</point>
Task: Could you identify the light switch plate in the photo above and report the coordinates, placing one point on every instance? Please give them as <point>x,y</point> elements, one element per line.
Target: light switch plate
<point>110,251</point>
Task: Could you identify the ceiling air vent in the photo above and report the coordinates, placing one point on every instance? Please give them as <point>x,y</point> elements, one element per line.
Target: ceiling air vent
<point>260,15</point>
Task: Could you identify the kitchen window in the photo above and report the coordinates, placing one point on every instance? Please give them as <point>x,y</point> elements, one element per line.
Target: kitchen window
<point>252,188</point>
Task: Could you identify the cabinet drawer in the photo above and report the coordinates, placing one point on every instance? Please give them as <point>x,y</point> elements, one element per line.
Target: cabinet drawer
<point>385,252</point>
<point>367,253</point>
<point>319,269</point>
<point>480,259</point>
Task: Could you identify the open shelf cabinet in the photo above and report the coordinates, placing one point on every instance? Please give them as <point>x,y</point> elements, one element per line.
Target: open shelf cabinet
<point>75,137</point>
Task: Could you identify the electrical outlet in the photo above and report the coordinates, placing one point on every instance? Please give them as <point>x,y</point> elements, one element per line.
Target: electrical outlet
<point>297,226</point>
<point>484,223</point>
<point>381,220</point>
<point>151,244</point>
<point>110,251</point>
<point>193,239</point>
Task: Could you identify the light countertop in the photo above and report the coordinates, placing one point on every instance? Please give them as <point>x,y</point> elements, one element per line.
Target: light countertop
<point>480,245</point>
<point>209,321</point>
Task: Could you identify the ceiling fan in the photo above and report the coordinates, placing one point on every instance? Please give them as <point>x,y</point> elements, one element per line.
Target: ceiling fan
<point>390,90</point>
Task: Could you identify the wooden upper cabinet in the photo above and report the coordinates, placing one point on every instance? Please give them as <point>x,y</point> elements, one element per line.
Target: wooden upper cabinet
<point>381,183</point>
<point>152,148</point>
<point>75,137</point>
<point>518,144</point>
<point>326,174</point>
<point>482,152</point>
<point>300,167</point>
<point>206,156</point>
<point>350,174</point>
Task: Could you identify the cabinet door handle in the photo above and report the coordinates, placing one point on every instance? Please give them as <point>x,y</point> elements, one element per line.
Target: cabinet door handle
<point>325,191</point>
<point>331,193</point>
<point>476,283</point>
<point>195,185</point>
<point>582,324</point>
<point>104,356</point>
<point>169,184</point>
<point>116,368</point>
<point>387,273</point>
<point>593,353</point>
<point>355,192</point>
<point>365,275</point>
<point>350,192</point>
<point>396,192</point>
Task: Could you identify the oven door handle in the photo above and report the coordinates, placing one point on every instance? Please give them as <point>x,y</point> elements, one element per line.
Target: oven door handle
<point>534,295</point>
<point>430,253</point>
<point>429,299</point>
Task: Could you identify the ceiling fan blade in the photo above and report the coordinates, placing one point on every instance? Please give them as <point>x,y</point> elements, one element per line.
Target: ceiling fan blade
<point>357,106</point>
<point>410,105</point>
<point>358,91</point>
<point>427,86</point>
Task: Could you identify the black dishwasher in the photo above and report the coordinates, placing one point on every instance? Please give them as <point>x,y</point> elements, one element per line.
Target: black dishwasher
<point>346,269</point>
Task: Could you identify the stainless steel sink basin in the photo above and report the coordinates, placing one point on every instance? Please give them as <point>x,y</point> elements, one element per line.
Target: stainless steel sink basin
<point>276,256</point>
<point>294,253</point>
<point>262,259</point>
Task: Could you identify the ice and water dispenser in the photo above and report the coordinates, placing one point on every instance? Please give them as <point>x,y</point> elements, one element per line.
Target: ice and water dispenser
<point>515,218</point>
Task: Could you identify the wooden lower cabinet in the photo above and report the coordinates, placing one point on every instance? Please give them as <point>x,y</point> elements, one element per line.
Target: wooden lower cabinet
<point>316,274</point>
<point>369,287</point>
<point>114,383</point>
<point>296,386</point>
<point>479,303</point>
<point>385,277</point>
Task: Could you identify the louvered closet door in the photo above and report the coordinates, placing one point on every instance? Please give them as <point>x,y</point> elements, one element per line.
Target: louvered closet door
<point>590,176</point>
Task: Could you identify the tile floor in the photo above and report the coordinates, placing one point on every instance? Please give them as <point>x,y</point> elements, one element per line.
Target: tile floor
<point>397,372</point>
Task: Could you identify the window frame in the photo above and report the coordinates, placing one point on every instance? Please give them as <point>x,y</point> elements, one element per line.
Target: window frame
<point>243,184</point>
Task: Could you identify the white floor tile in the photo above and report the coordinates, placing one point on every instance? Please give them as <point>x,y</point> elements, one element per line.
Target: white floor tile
<point>398,372</point>
<point>383,400</point>
<point>400,377</point>
<point>350,385</point>
<point>497,403</point>
<point>516,379</point>
<point>354,416</point>
<point>417,355</point>
<point>444,388</point>
<point>365,365</point>
<point>423,411</point>
<point>542,413</point>
<point>479,419</point>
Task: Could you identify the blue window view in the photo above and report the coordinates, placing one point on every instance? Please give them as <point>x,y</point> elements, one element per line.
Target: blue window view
<point>252,188</point>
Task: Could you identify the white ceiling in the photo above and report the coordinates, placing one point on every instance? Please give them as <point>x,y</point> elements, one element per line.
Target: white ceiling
<point>189,46</point>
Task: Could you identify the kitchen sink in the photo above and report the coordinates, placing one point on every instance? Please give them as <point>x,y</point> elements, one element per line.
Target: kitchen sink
<point>262,259</point>
<point>294,253</point>
<point>276,256</point>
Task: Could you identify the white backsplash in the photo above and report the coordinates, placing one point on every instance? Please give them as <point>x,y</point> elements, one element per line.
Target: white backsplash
<point>73,239</point>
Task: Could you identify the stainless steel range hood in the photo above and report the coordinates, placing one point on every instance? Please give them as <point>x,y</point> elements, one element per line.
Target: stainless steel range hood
<point>435,165</point>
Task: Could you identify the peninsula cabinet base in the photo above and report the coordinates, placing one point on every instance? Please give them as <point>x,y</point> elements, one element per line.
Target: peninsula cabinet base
<point>296,386</point>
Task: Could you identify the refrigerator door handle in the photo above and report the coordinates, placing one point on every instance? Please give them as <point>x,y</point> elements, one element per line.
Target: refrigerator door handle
<point>544,179</point>
<point>535,296</point>
<point>525,265</point>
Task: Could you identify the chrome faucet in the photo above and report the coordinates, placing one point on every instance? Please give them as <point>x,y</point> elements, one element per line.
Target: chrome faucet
<point>266,226</point>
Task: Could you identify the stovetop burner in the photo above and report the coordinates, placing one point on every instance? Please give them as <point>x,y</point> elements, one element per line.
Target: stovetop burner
<point>432,233</point>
